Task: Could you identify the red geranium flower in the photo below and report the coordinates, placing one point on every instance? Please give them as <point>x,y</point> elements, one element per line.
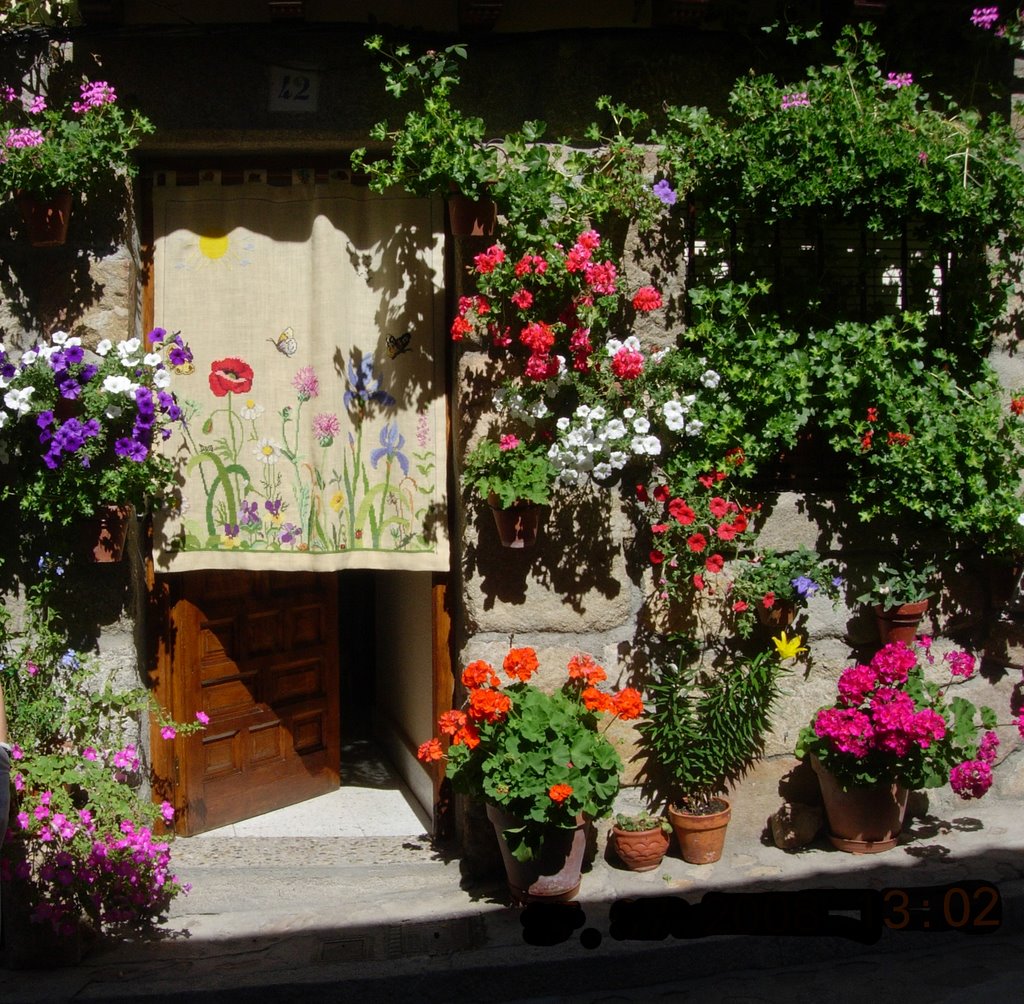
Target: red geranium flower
<point>230,376</point>
<point>559,792</point>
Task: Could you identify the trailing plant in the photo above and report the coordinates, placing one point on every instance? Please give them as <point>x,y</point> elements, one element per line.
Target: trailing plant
<point>437,148</point>
<point>80,428</point>
<point>852,144</point>
<point>706,726</point>
<point>890,724</point>
<point>80,834</point>
<point>540,756</point>
<point>770,577</point>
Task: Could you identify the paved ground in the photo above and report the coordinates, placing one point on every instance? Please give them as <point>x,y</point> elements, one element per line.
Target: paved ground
<point>378,917</point>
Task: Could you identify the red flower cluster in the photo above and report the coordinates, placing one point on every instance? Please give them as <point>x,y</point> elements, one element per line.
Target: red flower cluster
<point>550,304</point>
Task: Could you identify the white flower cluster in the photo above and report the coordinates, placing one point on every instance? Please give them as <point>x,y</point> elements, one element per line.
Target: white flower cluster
<point>592,445</point>
<point>676,415</point>
<point>514,405</point>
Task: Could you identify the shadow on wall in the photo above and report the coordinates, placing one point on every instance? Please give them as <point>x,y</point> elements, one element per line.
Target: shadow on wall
<point>574,556</point>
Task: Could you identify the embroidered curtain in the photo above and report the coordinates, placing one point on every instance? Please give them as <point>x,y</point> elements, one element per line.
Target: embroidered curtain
<point>315,400</point>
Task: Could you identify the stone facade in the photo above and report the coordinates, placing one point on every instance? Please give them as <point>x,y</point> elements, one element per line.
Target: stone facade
<point>586,586</point>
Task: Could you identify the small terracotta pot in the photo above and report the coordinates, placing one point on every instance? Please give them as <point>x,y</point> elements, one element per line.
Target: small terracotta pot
<point>104,535</point>
<point>639,850</point>
<point>45,219</point>
<point>701,837</point>
<point>518,524</point>
<point>471,217</point>
<point>779,616</point>
<point>900,623</point>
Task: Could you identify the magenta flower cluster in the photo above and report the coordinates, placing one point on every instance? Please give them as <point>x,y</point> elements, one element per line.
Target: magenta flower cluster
<point>795,100</point>
<point>118,871</point>
<point>889,723</point>
<point>985,17</point>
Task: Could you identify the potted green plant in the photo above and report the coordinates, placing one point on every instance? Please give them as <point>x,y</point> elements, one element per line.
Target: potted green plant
<point>80,428</point>
<point>899,592</point>
<point>891,731</point>
<point>772,584</point>
<point>639,839</point>
<point>704,728</point>
<point>438,149</point>
<point>51,151</point>
<point>515,479</point>
<point>540,762</point>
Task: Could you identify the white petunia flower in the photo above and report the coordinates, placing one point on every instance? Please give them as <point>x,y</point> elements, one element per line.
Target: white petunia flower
<point>104,347</point>
<point>152,359</point>
<point>615,430</point>
<point>710,379</point>
<point>641,425</point>
<point>628,413</point>
<point>597,414</point>
<point>29,357</point>
<point>162,379</point>
<point>59,337</point>
<point>18,400</point>
<point>675,415</point>
<point>117,385</point>
<point>113,411</point>
<point>694,427</point>
<point>602,471</point>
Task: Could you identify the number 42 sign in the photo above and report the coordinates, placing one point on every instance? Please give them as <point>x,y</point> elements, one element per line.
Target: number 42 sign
<point>293,89</point>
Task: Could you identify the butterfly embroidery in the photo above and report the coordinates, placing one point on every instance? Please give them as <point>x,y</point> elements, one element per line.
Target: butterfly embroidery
<point>186,366</point>
<point>286,343</point>
<point>396,346</point>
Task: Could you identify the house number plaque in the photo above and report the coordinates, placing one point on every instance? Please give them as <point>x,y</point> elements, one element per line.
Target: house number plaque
<point>293,89</point>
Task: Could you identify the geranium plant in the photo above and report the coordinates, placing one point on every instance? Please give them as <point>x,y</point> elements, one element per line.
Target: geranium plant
<point>79,427</point>
<point>511,469</point>
<point>695,529</point>
<point>45,148</point>
<point>890,723</point>
<point>540,756</point>
<point>437,147</point>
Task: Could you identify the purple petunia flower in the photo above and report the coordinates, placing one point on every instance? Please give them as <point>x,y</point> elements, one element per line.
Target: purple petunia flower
<point>665,193</point>
<point>131,449</point>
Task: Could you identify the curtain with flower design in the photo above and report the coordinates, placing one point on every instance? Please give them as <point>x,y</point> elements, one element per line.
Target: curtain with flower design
<point>314,398</point>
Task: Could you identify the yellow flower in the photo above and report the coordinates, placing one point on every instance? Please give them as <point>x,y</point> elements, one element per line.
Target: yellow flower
<point>229,542</point>
<point>788,648</point>
<point>337,501</point>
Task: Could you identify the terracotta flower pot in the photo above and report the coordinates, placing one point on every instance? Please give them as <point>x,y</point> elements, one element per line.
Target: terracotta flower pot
<point>639,850</point>
<point>45,219</point>
<point>701,838</point>
<point>517,525</point>
<point>779,616</point>
<point>471,217</point>
<point>861,820</point>
<point>104,535</point>
<point>900,623</point>
<point>553,876</point>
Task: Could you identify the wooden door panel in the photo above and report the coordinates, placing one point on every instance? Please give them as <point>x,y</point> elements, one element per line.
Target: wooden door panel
<point>257,652</point>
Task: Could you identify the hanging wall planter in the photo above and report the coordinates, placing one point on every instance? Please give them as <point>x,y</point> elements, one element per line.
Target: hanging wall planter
<point>471,217</point>
<point>104,535</point>
<point>46,219</point>
<point>518,524</point>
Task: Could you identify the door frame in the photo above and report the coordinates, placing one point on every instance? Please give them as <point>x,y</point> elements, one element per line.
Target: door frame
<point>162,590</point>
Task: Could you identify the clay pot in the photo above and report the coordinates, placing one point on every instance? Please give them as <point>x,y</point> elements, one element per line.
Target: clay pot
<point>777,617</point>
<point>861,820</point>
<point>104,535</point>
<point>555,874</point>
<point>701,838</point>
<point>518,524</point>
<point>639,850</point>
<point>471,217</point>
<point>900,623</point>
<point>46,220</point>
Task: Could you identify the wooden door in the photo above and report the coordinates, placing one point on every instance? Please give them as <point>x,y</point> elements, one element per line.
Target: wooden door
<point>257,652</point>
